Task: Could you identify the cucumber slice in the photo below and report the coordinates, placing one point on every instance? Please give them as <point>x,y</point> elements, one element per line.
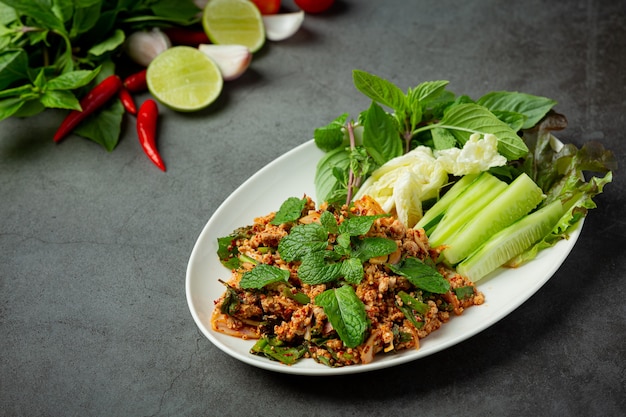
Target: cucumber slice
<point>470,202</point>
<point>517,200</point>
<point>510,242</point>
<point>436,212</point>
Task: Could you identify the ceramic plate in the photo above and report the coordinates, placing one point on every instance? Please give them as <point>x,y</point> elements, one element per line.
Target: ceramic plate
<point>291,175</point>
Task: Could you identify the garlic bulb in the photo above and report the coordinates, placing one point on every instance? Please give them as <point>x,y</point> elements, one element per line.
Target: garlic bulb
<point>143,46</point>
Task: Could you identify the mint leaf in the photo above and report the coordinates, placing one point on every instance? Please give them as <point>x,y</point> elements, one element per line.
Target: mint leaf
<point>358,225</point>
<point>262,275</point>
<point>315,270</point>
<point>372,247</point>
<point>534,108</point>
<point>332,135</point>
<point>289,211</point>
<point>352,271</point>
<point>329,222</point>
<point>379,90</point>
<point>346,313</point>
<point>343,241</point>
<point>421,275</point>
<point>380,135</point>
<point>302,240</point>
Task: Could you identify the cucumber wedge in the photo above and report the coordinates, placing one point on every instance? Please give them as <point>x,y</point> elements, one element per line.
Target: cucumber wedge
<point>517,200</point>
<point>436,212</point>
<point>510,242</point>
<point>470,202</point>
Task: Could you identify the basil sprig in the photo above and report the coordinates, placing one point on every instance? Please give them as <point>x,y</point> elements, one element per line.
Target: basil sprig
<point>428,114</point>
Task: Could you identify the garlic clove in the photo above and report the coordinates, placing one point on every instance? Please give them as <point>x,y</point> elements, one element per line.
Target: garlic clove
<point>143,46</point>
<point>281,26</point>
<point>232,60</point>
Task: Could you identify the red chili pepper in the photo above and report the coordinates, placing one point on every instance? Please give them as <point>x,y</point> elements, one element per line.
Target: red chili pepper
<point>127,100</point>
<point>136,82</point>
<point>94,100</point>
<point>186,36</point>
<point>147,118</point>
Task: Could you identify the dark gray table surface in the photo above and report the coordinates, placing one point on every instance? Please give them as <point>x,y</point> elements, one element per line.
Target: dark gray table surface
<point>94,245</point>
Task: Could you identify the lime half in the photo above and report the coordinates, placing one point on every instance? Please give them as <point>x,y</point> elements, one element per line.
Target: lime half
<point>184,79</point>
<point>234,22</point>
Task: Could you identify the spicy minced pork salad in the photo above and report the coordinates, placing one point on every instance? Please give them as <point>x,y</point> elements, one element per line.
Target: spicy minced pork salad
<point>417,205</point>
<point>335,285</point>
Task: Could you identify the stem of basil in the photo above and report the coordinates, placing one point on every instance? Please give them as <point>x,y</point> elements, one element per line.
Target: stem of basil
<point>351,172</point>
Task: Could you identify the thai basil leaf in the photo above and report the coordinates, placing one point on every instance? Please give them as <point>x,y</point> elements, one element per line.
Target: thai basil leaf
<point>410,306</point>
<point>60,99</point>
<point>328,187</point>
<point>175,10</point>
<point>442,139</point>
<point>108,45</point>
<point>464,119</point>
<point>514,120</point>
<point>379,90</point>
<point>103,127</point>
<point>40,11</point>
<point>72,80</point>
<point>428,91</point>
<point>13,66</point>
<point>10,106</point>
<point>380,135</point>
<point>275,349</point>
<point>534,108</point>
<point>464,292</point>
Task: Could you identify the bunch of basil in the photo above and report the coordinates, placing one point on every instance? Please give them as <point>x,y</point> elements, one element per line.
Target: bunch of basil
<point>52,51</point>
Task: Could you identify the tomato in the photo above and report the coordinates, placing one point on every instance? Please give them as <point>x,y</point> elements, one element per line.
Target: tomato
<point>267,6</point>
<point>314,6</point>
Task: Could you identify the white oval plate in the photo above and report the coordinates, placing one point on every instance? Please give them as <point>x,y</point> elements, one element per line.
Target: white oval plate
<point>291,175</point>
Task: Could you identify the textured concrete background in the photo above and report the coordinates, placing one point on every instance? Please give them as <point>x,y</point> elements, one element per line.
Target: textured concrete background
<point>94,245</point>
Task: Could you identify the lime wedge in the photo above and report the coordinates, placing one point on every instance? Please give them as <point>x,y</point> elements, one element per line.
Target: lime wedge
<point>234,22</point>
<point>184,79</point>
